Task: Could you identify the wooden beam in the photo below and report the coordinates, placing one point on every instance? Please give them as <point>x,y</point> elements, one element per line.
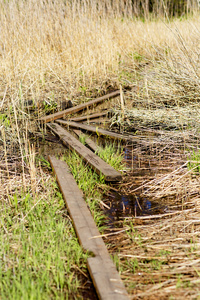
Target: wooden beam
<point>97,130</point>
<point>64,113</point>
<point>97,121</point>
<point>104,277</point>
<point>89,117</point>
<point>103,272</point>
<point>96,163</point>
<point>82,219</point>
<point>88,141</point>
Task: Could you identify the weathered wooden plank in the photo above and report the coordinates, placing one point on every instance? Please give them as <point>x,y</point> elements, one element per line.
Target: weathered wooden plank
<point>64,113</point>
<point>89,117</point>
<point>97,164</point>
<point>97,130</point>
<point>88,141</point>
<point>102,270</point>
<point>97,121</point>
<point>105,279</point>
<point>82,219</point>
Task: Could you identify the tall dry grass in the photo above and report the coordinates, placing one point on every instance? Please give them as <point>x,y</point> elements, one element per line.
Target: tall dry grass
<point>54,47</point>
<point>56,50</point>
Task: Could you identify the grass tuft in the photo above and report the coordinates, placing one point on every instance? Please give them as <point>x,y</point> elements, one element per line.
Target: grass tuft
<point>113,155</point>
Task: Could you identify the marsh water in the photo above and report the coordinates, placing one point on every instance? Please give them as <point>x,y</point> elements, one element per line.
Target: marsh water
<point>122,204</point>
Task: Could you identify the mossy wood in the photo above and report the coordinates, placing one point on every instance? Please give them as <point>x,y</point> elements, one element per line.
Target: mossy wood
<point>64,113</point>
<point>97,130</point>
<point>97,164</point>
<point>88,141</point>
<point>105,277</point>
<point>89,117</point>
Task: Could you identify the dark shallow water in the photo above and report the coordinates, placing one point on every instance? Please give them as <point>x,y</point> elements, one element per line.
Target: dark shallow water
<point>122,206</point>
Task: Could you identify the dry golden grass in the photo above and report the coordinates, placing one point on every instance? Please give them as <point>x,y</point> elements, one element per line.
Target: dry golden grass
<point>50,50</point>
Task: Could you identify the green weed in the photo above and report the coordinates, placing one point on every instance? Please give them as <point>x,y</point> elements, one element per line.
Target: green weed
<point>156,264</point>
<point>136,56</point>
<point>43,161</point>
<point>4,120</point>
<point>132,265</point>
<point>133,235</point>
<point>164,252</point>
<point>116,261</point>
<point>82,138</point>
<point>112,155</point>
<point>194,161</point>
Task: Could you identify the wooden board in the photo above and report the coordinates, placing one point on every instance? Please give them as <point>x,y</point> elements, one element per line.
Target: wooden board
<point>89,117</point>
<point>105,277</point>
<point>97,130</point>
<point>97,121</point>
<point>82,219</point>
<point>107,284</point>
<point>97,164</point>
<point>64,113</point>
<point>88,141</point>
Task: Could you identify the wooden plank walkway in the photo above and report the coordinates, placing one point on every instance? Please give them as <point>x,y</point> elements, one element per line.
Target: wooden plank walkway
<point>88,141</point>
<point>105,277</point>
<point>97,164</point>
<point>64,113</point>
<point>97,130</point>
<point>97,121</point>
<point>89,117</point>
